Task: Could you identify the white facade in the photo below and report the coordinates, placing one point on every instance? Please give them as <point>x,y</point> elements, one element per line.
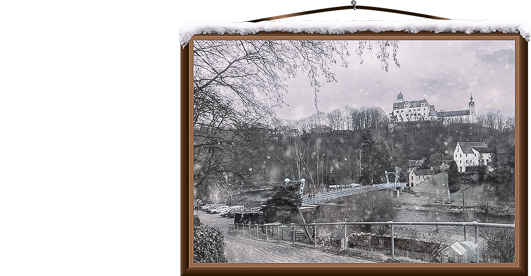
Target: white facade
<point>411,111</point>
<point>418,176</point>
<point>471,154</point>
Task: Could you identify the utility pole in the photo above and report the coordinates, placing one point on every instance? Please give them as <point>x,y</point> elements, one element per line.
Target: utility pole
<point>360,162</point>
<point>464,219</point>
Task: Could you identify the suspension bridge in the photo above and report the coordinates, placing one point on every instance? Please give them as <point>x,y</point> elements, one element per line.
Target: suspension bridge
<point>333,194</point>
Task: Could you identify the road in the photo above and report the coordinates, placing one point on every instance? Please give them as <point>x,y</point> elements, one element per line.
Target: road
<point>244,250</point>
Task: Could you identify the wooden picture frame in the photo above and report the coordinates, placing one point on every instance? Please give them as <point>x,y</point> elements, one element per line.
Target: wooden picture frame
<point>519,267</point>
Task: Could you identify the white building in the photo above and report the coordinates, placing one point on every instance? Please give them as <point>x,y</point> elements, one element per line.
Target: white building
<point>416,176</point>
<point>470,154</point>
<point>412,111</point>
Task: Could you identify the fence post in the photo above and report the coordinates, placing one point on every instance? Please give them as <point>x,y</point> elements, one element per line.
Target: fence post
<point>477,242</point>
<point>393,241</point>
<point>249,230</point>
<point>278,233</point>
<point>267,236</point>
<point>257,231</point>
<point>345,239</point>
<point>314,235</point>
<point>293,233</point>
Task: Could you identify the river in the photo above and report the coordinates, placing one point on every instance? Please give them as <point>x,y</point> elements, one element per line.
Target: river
<point>421,231</point>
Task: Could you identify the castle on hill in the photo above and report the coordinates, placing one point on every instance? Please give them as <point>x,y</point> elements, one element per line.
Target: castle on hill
<point>413,111</point>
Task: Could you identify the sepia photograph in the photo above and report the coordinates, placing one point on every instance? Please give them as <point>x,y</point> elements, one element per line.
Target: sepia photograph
<point>353,151</point>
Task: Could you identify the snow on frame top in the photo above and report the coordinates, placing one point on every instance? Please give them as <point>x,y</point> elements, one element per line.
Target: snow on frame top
<point>188,30</point>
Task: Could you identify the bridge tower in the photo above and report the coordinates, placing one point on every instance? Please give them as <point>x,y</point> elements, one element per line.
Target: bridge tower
<point>302,183</point>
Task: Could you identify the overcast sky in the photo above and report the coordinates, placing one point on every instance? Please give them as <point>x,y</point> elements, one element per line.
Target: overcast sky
<point>444,73</point>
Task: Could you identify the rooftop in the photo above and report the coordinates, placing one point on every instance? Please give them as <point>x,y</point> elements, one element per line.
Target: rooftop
<point>466,147</point>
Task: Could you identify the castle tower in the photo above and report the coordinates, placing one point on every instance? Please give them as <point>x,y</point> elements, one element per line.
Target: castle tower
<point>400,97</point>
<point>472,109</point>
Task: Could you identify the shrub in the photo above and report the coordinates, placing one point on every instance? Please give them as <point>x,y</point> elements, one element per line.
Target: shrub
<point>197,221</point>
<point>500,245</point>
<point>376,206</point>
<point>208,245</point>
<point>453,178</point>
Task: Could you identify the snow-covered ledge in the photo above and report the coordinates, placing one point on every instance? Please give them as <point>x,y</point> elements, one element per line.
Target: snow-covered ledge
<point>188,30</point>
<point>91,34</point>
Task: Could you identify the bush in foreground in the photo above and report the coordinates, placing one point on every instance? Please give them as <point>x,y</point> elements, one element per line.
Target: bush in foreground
<point>208,245</point>
<point>197,221</point>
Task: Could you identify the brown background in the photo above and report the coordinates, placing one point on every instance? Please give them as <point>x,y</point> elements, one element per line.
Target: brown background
<point>94,159</point>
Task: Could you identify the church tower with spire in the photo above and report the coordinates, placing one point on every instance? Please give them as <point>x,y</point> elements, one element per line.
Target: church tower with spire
<point>472,109</point>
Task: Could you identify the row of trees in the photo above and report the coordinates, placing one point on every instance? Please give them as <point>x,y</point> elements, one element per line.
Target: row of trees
<point>347,118</point>
<point>350,118</point>
<point>495,120</point>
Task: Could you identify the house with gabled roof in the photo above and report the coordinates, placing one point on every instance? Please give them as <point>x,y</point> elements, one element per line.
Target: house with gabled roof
<point>418,175</point>
<point>471,154</point>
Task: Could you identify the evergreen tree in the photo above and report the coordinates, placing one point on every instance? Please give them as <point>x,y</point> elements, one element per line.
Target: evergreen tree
<point>283,205</point>
<point>368,157</point>
<point>453,178</point>
<point>375,160</point>
<point>384,163</point>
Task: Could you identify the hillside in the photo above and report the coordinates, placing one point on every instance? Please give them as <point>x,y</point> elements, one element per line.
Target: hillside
<point>338,157</point>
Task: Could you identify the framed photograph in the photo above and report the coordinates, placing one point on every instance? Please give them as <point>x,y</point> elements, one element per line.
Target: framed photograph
<point>344,149</point>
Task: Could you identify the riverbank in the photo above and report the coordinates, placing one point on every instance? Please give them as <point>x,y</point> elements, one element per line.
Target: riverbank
<point>474,201</point>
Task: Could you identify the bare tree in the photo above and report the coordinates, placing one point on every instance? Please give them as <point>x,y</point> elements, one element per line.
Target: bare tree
<point>509,124</point>
<point>348,119</point>
<point>304,125</point>
<point>336,119</point>
<point>383,51</point>
<point>500,245</point>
